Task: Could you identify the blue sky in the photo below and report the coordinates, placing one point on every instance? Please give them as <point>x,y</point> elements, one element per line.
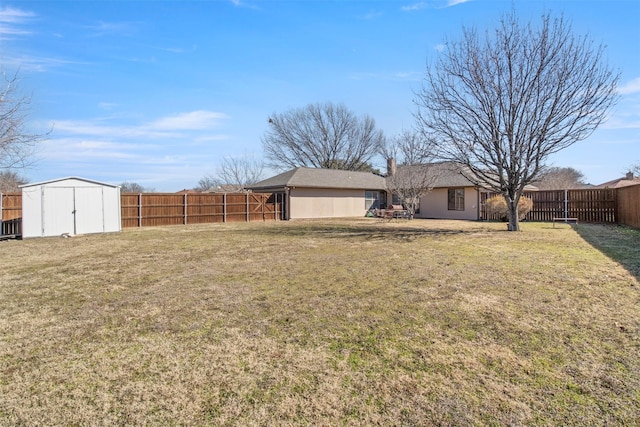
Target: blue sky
<point>159,92</point>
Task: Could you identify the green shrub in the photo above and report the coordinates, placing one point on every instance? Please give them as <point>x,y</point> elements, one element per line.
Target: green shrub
<point>496,207</point>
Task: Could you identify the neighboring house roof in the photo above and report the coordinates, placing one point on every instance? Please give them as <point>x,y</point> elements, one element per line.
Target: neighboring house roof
<point>446,174</point>
<point>322,178</point>
<point>625,181</point>
<point>225,188</point>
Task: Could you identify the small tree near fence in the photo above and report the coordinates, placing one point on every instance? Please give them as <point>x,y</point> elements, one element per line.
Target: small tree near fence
<point>497,208</point>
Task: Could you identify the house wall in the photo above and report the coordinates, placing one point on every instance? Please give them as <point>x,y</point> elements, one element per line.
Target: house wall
<point>435,205</point>
<point>326,203</point>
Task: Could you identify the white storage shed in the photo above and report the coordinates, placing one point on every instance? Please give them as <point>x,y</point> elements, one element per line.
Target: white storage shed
<point>70,205</point>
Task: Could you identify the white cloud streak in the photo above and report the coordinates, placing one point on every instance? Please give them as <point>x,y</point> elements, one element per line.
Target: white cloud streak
<point>194,120</point>
<point>113,29</point>
<point>631,87</point>
<point>11,19</point>
<point>456,2</point>
<point>413,7</point>
<point>9,14</point>
<point>434,5</point>
<point>174,126</point>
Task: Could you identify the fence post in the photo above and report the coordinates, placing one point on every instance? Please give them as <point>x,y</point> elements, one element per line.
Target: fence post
<point>139,209</point>
<point>246,202</point>
<point>566,203</point>
<point>224,207</point>
<point>185,208</point>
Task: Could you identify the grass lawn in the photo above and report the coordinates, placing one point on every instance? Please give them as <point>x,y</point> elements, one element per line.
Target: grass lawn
<point>342,322</point>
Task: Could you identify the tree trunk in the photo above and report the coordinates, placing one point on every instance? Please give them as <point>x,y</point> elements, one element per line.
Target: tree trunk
<point>514,221</point>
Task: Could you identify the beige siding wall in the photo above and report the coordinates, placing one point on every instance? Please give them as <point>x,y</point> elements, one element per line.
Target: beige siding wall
<point>435,205</point>
<point>326,203</point>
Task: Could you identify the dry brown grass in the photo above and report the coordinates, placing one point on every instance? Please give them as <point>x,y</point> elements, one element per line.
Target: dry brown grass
<point>346,322</point>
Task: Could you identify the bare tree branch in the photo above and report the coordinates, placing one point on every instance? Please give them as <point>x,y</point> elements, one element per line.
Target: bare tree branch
<point>414,175</point>
<point>134,187</point>
<point>10,181</point>
<point>17,144</point>
<point>322,136</point>
<point>557,178</point>
<point>234,174</point>
<point>501,104</point>
<point>240,171</point>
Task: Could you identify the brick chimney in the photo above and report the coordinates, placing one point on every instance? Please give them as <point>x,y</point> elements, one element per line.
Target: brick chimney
<point>629,176</point>
<point>391,166</point>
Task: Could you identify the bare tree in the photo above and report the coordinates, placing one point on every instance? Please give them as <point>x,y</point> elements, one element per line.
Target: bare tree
<point>134,187</point>
<point>635,169</point>
<point>241,171</point>
<point>207,183</point>
<point>411,174</point>
<point>322,136</point>
<point>234,174</point>
<point>17,144</point>
<point>10,181</point>
<point>558,178</point>
<point>500,105</point>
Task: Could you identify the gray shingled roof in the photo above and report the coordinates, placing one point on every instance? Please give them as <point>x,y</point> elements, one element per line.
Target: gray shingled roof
<point>445,174</point>
<point>322,178</point>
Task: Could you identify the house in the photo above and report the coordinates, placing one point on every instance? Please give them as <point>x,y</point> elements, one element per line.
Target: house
<point>452,195</point>
<point>625,181</point>
<point>325,193</point>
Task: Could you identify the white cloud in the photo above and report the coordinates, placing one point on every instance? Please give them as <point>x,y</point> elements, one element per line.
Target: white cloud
<point>194,120</point>
<point>413,7</point>
<point>632,86</point>
<point>408,75</point>
<point>239,3</point>
<point>11,19</point>
<point>433,5</point>
<point>371,15</point>
<point>9,14</point>
<point>174,126</point>
<point>113,28</point>
<point>107,105</point>
<point>35,64</point>
<point>455,2</point>
<point>400,75</point>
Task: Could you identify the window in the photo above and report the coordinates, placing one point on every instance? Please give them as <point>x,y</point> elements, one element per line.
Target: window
<point>371,199</point>
<point>456,199</point>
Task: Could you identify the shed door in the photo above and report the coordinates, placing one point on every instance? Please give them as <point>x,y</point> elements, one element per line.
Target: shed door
<point>57,211</point>
<point>89,210</point>
<point>71,210</point>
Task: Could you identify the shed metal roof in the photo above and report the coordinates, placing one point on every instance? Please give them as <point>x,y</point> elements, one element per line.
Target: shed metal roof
<point>90,181</point>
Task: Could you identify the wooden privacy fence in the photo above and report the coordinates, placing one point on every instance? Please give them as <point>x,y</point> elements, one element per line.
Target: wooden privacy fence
<point>629,206</point>
<point>153,209</point>
<point>620,206</point>
<point>588,205</point>
<point>11,216</point>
